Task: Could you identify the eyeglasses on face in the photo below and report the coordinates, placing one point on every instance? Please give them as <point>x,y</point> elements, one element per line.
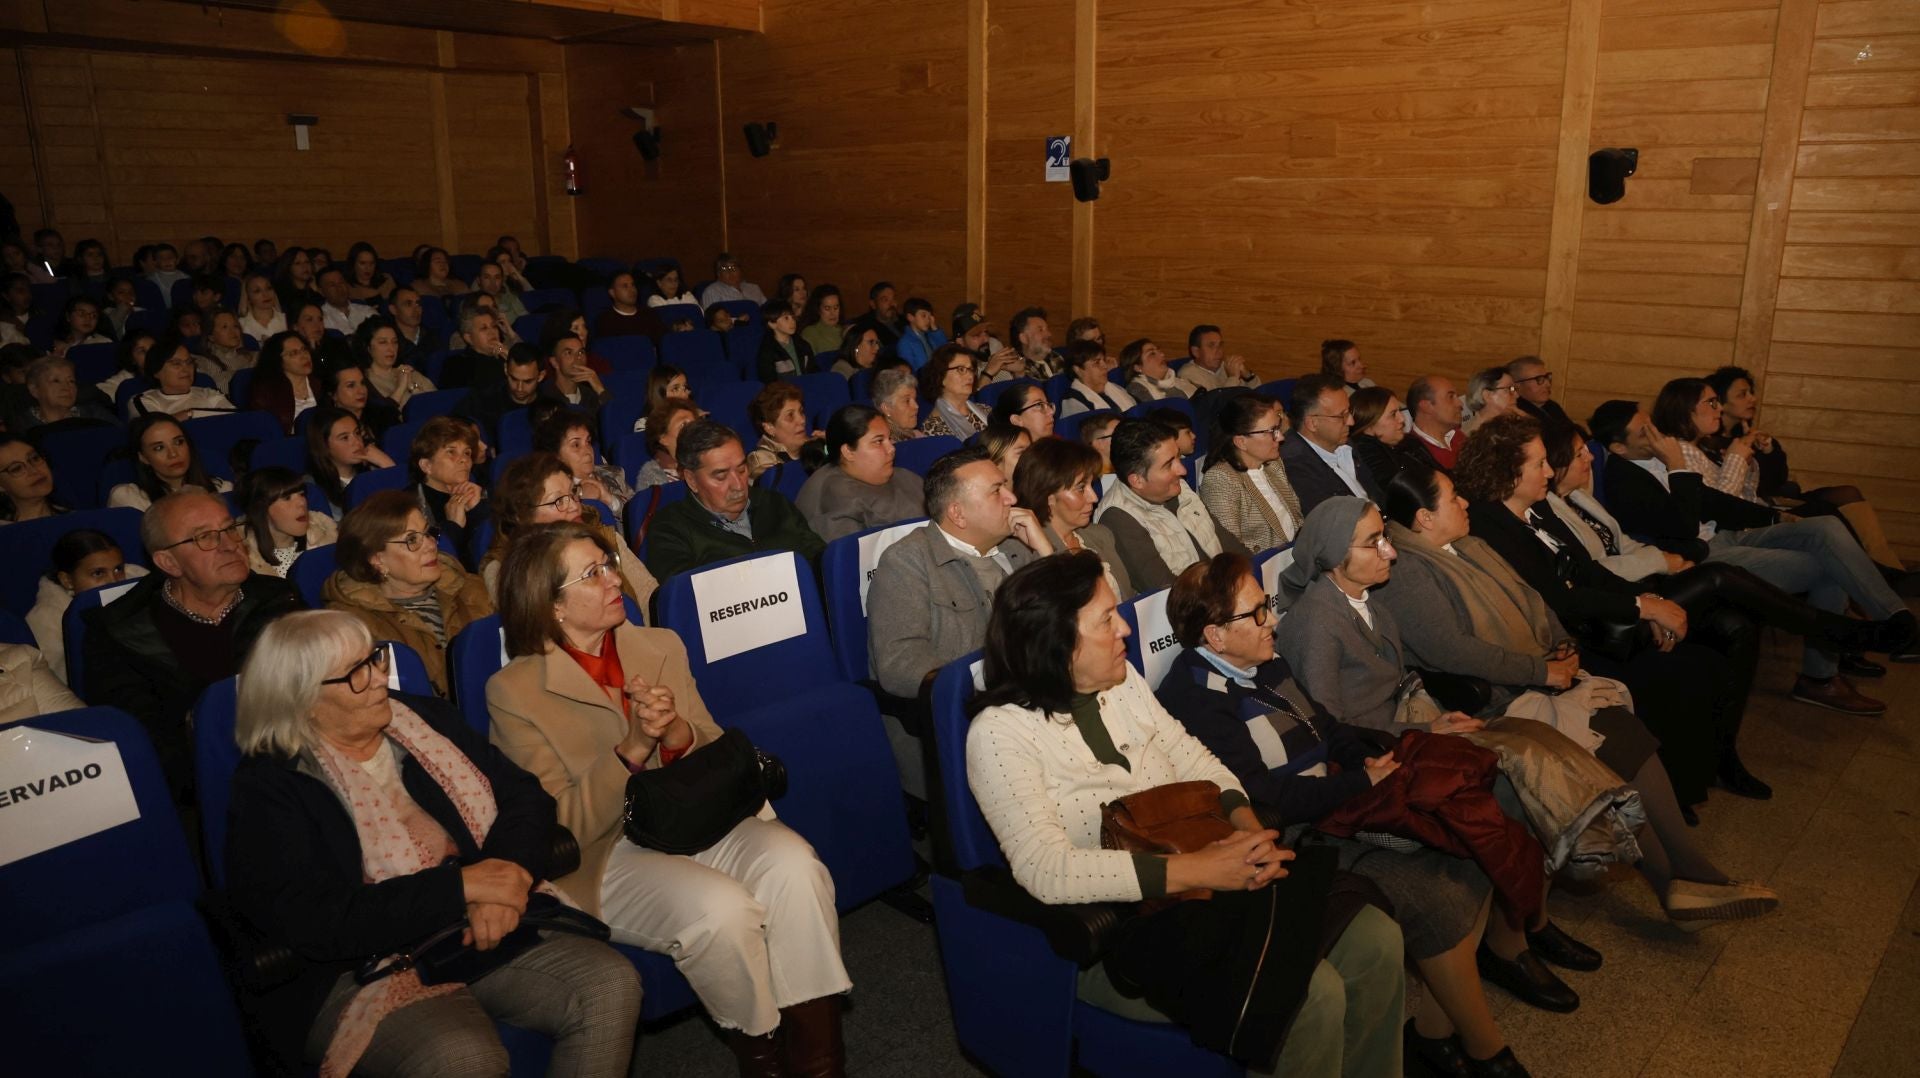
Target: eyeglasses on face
<point>359,676</point>
<point>570,499</point>
<point>1041,403</point>
<point>598,571</point>
<point>1383,545</point>
<point>1260,614</point>
<point>1341,416</point>
<point>1263,432</point>
<point>210,539</point>
<point>19,467</point>
<point>1544,378</point>
<point>413,540</point>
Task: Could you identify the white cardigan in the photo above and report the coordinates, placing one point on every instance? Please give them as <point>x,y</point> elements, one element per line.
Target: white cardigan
<point>1636,560</point>
<point>1041,789</point>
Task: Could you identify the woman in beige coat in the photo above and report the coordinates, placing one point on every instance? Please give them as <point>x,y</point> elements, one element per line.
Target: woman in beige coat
<point>1245,486</point>
<point>589,700</point>
<point>394,577</point>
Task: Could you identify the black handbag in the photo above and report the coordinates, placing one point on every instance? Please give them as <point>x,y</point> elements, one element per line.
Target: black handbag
<point>443,959</point>
<point>693,802</point>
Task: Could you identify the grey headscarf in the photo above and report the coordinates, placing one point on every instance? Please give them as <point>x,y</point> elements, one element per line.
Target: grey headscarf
<point>1321,543</point>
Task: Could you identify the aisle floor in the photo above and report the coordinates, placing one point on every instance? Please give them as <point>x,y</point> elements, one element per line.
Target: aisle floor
<point>1827,985</point>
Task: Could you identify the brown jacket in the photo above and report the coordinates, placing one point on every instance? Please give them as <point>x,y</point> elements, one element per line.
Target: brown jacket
<point>553,720</point>
<point>462,600</point>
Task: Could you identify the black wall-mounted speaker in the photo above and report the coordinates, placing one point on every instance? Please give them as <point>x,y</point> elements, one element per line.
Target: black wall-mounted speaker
<point>1607,172</point>
<point>761,138</point>
<point>1087,174</point>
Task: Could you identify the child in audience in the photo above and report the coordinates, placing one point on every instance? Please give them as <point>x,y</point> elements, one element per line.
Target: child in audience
<point>83,558</point>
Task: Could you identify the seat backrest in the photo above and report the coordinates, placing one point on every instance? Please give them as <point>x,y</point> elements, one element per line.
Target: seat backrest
<point>750,623</point>
<point>107,765</point>
<point>475,654</point>
<point>641,509</point>
<point>367,484</point>
<point>823,395</point>
<point>424,406</point>
<point>617,419</point>
<point>465,267</point>
<point>727,403</point>
<point>633,352</point>
<point>1178,404</point>
<point>846,573</point>
<point>240,386</point>
<point>73,629</point>
<point>527,327</point>
<point>14,630</point>
<point>669,313</point>
<point>397,442</point>
<point>990,393</point>
<point>1058,385</point>
<point>972,840</point>
<point>76,456</point>
<point>310,572</point>
<point>1269,564</point>
<point>547,297</point>
<point>215,436</point>
<point>94,362</point>
<point>1068,426</point>
<point>288,453</point>
<point>28,548</point>
<point>1281,389</point>
<point>704,375</point>
<point>918,454</point>
<point>741,308</point>
<point>1599,452</point>
<point>743,347</point>
<point>787,478</point>
<point>693,346</point>
<point>1152,647</point>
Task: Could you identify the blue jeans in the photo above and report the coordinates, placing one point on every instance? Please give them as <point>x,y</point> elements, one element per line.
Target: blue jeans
<point>1819,557</point>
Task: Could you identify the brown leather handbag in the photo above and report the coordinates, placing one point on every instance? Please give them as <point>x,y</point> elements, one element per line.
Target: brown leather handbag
<point>1179,817</point>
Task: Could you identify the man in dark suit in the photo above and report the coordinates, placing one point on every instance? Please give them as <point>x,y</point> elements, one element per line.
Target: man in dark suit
<point>1318,460</point>
<point>1654,498</point>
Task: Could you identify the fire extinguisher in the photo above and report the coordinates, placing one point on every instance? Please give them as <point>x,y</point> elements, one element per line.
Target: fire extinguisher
<point>572,161</point>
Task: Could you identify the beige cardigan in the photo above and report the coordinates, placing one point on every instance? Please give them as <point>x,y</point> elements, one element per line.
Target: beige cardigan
<point>1041,789</point>
<point>557,723</point>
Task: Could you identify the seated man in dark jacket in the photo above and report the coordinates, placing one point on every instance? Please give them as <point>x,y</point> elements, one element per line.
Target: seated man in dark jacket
<point>1655,499</point>
<point>1319,462</point>
<point>182,628</point>
<point>725,514</point>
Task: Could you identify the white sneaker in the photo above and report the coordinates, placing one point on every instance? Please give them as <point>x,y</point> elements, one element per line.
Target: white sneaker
<point>1693,906</point>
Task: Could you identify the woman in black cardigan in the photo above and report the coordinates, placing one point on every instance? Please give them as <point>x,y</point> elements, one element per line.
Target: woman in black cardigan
<point>363,823</point>
<point>1682,691</point>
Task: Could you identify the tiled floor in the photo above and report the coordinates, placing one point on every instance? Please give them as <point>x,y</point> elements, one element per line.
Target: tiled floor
<point>1828,985</point>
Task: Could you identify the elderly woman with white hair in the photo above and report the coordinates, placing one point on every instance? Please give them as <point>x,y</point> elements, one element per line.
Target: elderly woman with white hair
<point>1490,393</point>
<point>896,396</point>
<point>364,822</point>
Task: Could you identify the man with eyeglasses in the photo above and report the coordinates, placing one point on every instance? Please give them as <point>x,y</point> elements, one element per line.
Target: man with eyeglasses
<point>185,626</point>
<point>1319,462</point>
<point>725,513</point>
<point>728,284</point>
<point>1535,383</point>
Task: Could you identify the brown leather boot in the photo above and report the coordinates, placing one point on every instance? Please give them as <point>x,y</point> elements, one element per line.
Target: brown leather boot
<point>812,1034</point>
<point>759,1057</point>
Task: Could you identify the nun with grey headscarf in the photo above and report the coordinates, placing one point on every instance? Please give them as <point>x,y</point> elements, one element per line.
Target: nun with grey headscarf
<point>1345,650</point>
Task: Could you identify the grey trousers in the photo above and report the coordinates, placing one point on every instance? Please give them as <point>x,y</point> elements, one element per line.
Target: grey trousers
<point>578,991</point>
<point>1820,557</point>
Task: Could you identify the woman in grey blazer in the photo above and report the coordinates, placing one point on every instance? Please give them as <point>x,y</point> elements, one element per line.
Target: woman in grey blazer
<point>1244,485</point>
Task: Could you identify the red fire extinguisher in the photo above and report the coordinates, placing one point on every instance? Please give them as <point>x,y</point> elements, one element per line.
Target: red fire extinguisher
<point>572,161</point>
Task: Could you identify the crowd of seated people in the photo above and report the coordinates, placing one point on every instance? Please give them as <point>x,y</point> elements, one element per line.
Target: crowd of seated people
<point>1454,570</point>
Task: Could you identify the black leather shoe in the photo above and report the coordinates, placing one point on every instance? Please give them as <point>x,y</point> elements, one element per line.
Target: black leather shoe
<point>1736,779</point>
<point>1897,636</point>
<point>1860,666</point>
<point>1501,1065</point>
<point>1691,817</point>
<point>1555,946</point>
<point>1442,1055</point>
<point>1529,980</point>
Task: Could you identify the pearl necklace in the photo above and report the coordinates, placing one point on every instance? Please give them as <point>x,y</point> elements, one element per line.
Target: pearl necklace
<point>166,592</point>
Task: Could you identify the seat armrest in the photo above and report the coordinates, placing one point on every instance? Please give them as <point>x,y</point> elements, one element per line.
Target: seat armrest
<point>1078,932</point>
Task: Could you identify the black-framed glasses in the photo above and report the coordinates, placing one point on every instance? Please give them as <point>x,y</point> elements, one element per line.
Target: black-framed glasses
<point>19,467</point>
<point>1545,378</point>
<point>570,496</point>
<point>1263,432</point>
<point>412,540</point>
<point>359,676</point>
<point>1041,403</point>
<point>210,539</point>
<point>1260,614</point>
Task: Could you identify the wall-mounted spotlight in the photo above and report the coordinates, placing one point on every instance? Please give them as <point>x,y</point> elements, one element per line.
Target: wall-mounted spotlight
<point>1087,174</point>
<point>762,138</point>
<point>1607,172</point>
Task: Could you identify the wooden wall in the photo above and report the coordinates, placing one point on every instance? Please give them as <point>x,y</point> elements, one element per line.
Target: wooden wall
<point>1029,222</point>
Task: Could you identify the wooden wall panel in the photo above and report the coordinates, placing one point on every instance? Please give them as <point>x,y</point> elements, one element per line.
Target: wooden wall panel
<point>1374,170</point>
<point>1843,377</point>
<point>18,177</point>
<point>869,179</point>
<point>1030,84</point>
<point>671,209</point>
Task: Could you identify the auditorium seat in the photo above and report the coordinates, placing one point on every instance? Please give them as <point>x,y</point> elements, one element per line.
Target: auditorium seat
<point>846,572</point>
<point>1178,404</point>
<point>1151,649</point>
<point>215,436</point>
<point>310,572</point>
<point>424,406</point>
<point>823,395</point>
<point>367,484</point>
<point>727,403</point>
<point>27,547</point>
<point>1012,994</point>
<point>641,510</point>
<point>527,327</point>
<point>76,456</point>
<point>787,478</point>
<point>1068,426</point>
<point>918,454</point>
<point>539,300</point>
<point>990,393</point>
<point>633,352</point>
<point>94,362</point>
<point>108,968</point>
<point>285,452</point>
<point>694,346</point>
<point>14,630</point>
<point>1281,389</point>
<point>607,268</point>
<point>73,628</point>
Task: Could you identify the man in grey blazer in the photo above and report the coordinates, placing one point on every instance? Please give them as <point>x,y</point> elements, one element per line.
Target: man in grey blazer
<point>933,590</point>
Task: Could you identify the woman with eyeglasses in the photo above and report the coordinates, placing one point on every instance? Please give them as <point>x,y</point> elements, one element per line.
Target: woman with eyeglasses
<point>1490,393</point>
<point>164,462</point>
<point>1298,763</point>
<point>539,488</point>
<point>280,526</point>
<point>172,369</point>
<point>590,699</point>
<point>1026,407</point>
<point>1243,484</point>
<point>859,349</point>
<point>1381,424</point>
<point>367,820</point>
<point>394,577</point>
<point>859,487</point>
<point>947,382</point>
<point>567,434</point>
<point>26,482</point>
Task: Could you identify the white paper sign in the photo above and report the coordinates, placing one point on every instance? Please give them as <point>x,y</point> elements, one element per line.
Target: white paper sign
<point>1059,154</point>
<point>56,788</point>
<point>748,605</point>
<point>1158,648</point>
<point>875,544</point>
<point>1271,569</point>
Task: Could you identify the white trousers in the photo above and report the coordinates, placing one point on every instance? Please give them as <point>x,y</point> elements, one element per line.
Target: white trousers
<point>749,921</point>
